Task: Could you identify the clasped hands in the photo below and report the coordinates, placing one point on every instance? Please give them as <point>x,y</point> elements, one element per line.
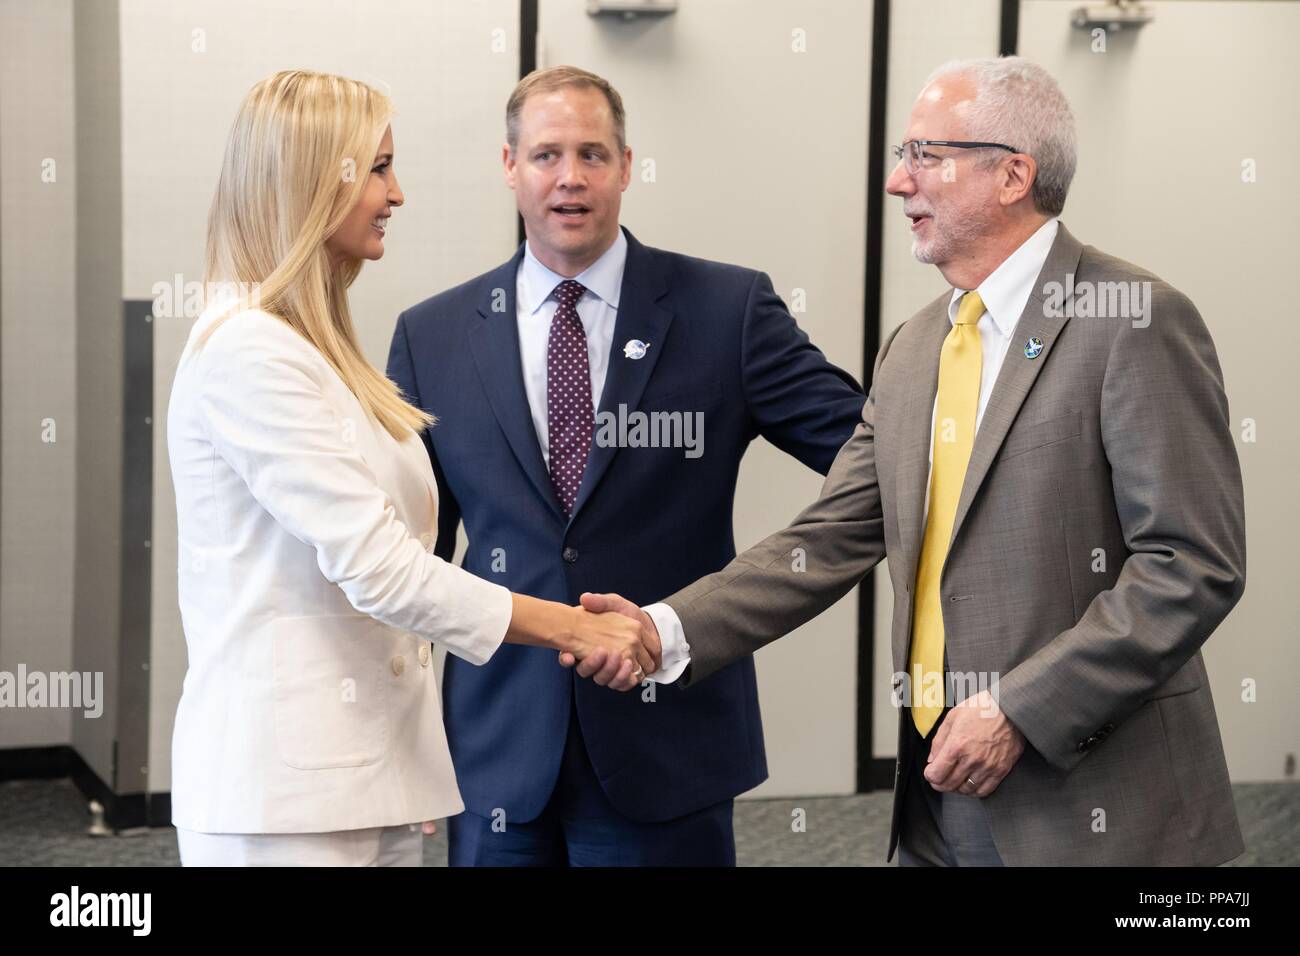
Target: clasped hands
<point>616,643</point>
<point>612,641</point>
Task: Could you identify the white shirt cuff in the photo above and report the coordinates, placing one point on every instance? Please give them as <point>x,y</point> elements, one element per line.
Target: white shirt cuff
<point>675,652</point>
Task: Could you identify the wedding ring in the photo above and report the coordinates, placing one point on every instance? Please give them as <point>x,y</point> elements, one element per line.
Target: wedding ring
<point>974,785</point>
<point>639,673</point>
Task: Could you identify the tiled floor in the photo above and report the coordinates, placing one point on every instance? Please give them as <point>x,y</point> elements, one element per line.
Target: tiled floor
<point>44,823</point>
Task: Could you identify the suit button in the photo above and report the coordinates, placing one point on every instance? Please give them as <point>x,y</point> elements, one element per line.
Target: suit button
<point>1083,746</point>
<point>424,654</point>
<point>399,665</point>
<point>570,555</point>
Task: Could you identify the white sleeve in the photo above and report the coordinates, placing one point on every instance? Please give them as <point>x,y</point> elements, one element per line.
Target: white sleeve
<point>675,653</point>
<point>269,418</point>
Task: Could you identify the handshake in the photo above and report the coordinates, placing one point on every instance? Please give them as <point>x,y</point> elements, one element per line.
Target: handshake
<point>614,642</point>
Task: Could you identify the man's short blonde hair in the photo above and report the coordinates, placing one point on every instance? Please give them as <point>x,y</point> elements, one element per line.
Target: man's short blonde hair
<point>558,78</point>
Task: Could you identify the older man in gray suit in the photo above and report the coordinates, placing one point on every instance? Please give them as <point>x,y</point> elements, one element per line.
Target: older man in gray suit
<point>1045,457</point>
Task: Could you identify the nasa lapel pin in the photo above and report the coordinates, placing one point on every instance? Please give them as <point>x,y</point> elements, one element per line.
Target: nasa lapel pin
<point>1033,347</point>
<point>635,349</point>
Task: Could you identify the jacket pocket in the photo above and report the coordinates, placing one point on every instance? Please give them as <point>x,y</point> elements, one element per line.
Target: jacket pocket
<point>1026,438</point>
<point>328,699</point>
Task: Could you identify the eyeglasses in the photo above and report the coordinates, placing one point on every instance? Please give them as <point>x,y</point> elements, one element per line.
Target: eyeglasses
<point>915,158</point>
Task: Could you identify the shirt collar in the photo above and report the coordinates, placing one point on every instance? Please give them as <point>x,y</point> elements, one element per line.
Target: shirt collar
<point>1006,291</point>
<point>603,278</point>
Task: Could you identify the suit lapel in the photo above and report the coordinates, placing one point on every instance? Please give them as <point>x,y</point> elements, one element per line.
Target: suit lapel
<point>1018,372</point>
<point>914,452</point>
<point>495,344</point>
<point>1015,379</point>
<point>640,316</point>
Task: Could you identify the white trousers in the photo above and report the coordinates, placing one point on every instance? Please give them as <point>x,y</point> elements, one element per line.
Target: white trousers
<point>378,846</point>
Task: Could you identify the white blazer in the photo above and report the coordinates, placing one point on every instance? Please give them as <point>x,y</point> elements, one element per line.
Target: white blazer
<point>309,595</point>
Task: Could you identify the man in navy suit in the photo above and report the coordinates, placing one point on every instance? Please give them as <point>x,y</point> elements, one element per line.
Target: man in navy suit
<point>563,491</point>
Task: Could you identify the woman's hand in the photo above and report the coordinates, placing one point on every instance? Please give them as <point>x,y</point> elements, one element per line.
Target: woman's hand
<point>617,636</point>
<point>615,641</point>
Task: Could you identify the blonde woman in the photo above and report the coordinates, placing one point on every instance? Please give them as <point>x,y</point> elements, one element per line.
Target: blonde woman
<point>309,728</point>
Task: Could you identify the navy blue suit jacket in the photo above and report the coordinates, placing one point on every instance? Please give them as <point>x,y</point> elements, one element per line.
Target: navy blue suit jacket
<point>647,521</point>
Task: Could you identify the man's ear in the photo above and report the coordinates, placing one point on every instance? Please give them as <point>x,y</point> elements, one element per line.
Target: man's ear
<point>508,164</point>
<point>627,168</point>
<point>1018,178</point>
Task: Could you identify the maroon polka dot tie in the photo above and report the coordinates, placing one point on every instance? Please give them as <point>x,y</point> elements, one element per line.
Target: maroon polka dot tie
<point>570,420</point>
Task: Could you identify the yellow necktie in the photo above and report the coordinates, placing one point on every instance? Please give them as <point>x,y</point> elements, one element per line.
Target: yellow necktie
<point>954,437</point>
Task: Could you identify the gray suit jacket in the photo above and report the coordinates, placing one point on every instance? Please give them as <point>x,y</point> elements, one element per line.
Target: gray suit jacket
<point>1099,540</point>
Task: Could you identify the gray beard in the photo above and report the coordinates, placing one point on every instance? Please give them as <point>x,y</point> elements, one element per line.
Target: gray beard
<point>964,235</point>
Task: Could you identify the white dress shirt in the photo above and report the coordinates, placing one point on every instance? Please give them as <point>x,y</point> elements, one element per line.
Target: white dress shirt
<point>535,307</point>
<point>597,309</point>
<point>1005,293</point>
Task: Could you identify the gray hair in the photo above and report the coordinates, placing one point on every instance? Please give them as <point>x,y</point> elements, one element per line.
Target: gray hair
<point>1018,103</point>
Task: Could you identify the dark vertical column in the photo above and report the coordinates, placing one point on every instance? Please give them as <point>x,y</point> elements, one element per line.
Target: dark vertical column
<point>1009,29</point>
<point>872,774</point>
<point>135,650</point>
<point>527,60</point>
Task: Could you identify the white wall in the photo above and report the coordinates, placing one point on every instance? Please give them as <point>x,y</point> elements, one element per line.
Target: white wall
<point>437,61</point>
<point>1167,116</point>
<point>39,310</point>
<point>760,159</point>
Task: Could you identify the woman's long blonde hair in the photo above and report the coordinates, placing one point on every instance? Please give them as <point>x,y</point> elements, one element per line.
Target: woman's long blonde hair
<point>297,160</point>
